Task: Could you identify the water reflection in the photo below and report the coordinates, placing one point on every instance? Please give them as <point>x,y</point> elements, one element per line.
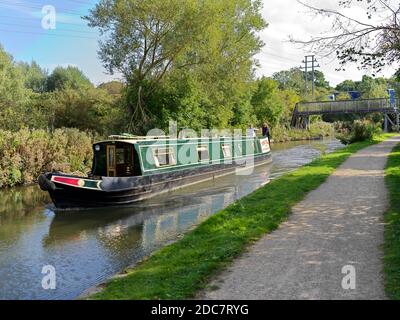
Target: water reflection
<point>86,247</point>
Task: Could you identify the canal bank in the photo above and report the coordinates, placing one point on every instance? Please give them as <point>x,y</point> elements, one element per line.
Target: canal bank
<point>392,226</point>
<point>86,249</point>
<point>180,270</point>
<point>337,228</point>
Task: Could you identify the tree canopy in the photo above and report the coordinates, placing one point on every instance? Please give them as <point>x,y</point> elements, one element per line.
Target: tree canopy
<point>35,77</point>
<point>12,88</point>
<point>212,43</point>
<point>69,77</point>
<point>368,87</point>
<point>370,41</point>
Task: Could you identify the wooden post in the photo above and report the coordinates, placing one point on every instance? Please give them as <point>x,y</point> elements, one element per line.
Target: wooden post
<point>386,123</point>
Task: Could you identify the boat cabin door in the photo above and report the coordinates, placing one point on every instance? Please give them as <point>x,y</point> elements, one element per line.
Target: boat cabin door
<point>111,163</point>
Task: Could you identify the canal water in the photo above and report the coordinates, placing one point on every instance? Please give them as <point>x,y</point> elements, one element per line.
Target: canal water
<point>87,247</point>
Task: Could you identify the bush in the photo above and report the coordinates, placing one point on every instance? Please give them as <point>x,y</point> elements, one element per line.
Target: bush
<point>359,130</point>
<point>25,154</point>
<point>316,130</point>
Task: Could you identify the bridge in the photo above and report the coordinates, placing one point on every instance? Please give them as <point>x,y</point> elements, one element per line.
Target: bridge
<point>388,107</point>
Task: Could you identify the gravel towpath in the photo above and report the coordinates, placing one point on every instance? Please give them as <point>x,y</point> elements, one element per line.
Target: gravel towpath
<point>338,224</point>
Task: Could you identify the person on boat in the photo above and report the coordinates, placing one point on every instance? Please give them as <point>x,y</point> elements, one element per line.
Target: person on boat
<point>266,132</point>
<point>251,131</point>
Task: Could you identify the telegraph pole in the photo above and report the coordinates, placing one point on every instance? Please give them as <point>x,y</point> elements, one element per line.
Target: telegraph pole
<point>310,59</point>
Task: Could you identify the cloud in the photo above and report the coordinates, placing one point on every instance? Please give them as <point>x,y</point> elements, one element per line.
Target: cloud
<point>289,18</point>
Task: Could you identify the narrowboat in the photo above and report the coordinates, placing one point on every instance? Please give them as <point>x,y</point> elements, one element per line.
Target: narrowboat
<point>127,169</point>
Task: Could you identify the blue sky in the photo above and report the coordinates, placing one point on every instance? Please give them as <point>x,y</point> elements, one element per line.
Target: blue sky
<point>71,43</point>
<point>74,43</point>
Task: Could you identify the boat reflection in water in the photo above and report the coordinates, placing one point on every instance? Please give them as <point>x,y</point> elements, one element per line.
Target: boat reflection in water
<point>104,243</point>
<point>141,226</point>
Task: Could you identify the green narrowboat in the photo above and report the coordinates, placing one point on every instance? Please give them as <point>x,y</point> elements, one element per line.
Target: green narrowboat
<point>127,169</point>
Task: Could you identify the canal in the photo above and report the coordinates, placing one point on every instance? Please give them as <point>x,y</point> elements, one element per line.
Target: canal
<point>87,247</point>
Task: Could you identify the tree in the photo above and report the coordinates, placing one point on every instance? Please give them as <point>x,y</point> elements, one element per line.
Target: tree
<point>67,78</point>
<point>266,101</point>
<point>346,86</point>
<point>12,90</point>
<point>114,88</point>
<point>85,109</point>
<point>368,87</point>
<point>13,95</point>
<point>35,77</point>
<point>147,41</point>
<point>289,99</point>
<point>292,79</point>
<point>371,42</point>
<point>319,78</point>
<point>373,88</point>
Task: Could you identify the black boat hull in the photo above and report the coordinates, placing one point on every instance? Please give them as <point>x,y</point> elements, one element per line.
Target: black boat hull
<point>127,190</point>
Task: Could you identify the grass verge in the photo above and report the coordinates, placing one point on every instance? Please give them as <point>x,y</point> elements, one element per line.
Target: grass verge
<point>180,270</point>
<point>392,226</point>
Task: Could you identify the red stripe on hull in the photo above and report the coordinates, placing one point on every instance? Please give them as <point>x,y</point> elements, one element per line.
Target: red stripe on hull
<point>70,181</point>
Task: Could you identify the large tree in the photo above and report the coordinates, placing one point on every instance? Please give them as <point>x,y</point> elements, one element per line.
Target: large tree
<point>13,94</point>
<point>35,77</point>
<point>12,90</point>
<point>67,78</point>
<point>148,40</point>
<point>371,41</point>
<point>267,103</point>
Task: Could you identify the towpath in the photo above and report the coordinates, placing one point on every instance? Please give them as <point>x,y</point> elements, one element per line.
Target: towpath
<point>336,232</point>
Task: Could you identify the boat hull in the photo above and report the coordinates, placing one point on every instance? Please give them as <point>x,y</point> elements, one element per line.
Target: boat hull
<point>127,190</point>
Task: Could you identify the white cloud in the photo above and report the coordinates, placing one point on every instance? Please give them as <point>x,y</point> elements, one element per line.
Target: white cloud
<point>289,18</point>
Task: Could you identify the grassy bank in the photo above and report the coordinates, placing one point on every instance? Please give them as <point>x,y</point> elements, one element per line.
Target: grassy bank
<point>316,130</point>
<point>180,270</point>
<point>392,227</point>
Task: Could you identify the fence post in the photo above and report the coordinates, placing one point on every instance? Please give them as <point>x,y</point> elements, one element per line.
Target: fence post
<point>386,123</point>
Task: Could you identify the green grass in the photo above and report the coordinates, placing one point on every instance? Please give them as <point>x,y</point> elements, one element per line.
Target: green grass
<point>392,226</point>
<point>180,270</point>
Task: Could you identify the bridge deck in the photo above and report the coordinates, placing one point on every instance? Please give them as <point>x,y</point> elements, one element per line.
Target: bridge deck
<point>385,106</point>
<point>347,106</point>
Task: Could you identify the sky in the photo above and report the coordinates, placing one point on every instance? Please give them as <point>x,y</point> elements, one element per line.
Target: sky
<point>289,18</point>
<point>72,42</point>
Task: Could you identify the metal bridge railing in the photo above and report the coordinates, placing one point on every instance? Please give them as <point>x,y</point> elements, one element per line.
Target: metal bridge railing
<point>347,106</point>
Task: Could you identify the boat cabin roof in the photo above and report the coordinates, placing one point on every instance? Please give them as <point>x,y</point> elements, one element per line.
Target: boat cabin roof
<point>150,139</point>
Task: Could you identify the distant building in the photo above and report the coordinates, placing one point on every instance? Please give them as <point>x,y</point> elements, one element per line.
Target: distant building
<point>354,95</point>
<point>392,96</point>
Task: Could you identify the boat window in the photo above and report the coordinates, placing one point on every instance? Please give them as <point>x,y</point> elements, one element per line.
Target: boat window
<point>203,153</point>
<point>164,157</point>
<point>111,168</point>
<point>120,156</point>
<point>226,150</point>
<point>111,157</point>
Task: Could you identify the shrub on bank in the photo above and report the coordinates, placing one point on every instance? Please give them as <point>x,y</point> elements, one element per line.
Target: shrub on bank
<point>359,130</point>
<point>27,153</point>
<point>316,130</point>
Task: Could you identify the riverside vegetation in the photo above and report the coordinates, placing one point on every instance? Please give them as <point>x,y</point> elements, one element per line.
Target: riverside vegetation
<point>26,153</point>
<point>359,130</point>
